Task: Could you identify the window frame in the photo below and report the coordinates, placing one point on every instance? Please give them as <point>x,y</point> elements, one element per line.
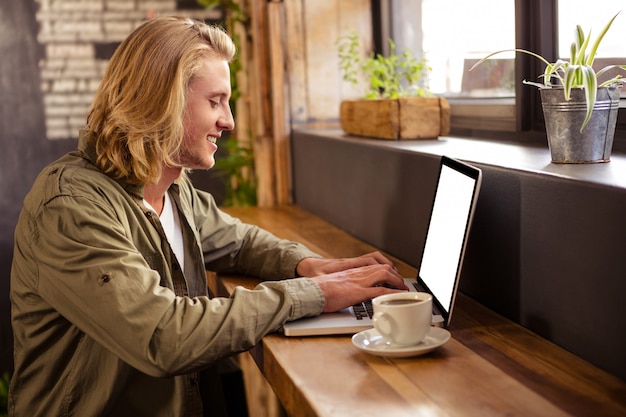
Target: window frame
<point>519,119</point>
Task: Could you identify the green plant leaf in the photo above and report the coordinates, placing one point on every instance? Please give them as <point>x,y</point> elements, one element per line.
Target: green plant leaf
<point>573,50</point>
<point>349,59</point>
<point>581,46</point>
<point>238,168</point>
<point>596,44</point>
<point>579,37</point>
<point>545,61</point>
<point>617,79</point>
<point>610,67</point>
<point>534,84</point>
<point>591,91</point>
<point>5,381</point>
<point>555,70</point>
<point>397,75</point>
<point>570,80</point>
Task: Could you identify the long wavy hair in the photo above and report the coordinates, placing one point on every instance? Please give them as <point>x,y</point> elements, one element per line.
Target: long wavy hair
<point>136,119</point>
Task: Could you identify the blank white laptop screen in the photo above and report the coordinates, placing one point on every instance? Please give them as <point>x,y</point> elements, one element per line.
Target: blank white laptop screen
<point>446,234</point>
<point>451,215</point>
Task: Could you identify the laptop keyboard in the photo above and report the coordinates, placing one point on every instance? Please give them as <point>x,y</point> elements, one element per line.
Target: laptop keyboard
<point>365,309</point>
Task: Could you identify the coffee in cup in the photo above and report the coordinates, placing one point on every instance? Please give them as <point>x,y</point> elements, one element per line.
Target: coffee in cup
<point>403,319</point>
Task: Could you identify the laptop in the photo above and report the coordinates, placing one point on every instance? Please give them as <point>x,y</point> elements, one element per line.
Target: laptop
<point>456,194</point>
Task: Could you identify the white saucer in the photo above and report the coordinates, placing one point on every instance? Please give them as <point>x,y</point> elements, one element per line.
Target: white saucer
<point>372,342</point>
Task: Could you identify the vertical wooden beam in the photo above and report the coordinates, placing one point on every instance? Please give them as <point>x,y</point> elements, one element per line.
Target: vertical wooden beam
<point>296,62</point>
<point>280,132</point>
<point>259,95</point>
<point>262,402</point>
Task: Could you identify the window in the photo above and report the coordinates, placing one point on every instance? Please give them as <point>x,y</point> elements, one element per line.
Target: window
<point>456,35</point>
<point>453,34</point>
<point>594,18</point>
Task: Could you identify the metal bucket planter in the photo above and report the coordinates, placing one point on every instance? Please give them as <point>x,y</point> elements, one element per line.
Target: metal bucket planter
<point>564,119</point>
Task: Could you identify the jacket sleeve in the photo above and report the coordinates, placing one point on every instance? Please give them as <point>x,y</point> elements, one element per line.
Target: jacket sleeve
<point>230,246</point>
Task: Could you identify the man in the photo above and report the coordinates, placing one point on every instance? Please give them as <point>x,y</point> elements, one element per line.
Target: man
<point>110,309</point>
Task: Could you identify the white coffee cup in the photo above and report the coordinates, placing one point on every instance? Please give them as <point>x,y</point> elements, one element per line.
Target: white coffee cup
<point>403,319</point>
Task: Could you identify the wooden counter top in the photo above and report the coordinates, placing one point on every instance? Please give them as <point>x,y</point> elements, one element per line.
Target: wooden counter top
<point>490,367</point>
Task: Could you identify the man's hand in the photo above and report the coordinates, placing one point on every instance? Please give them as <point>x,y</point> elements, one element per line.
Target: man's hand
<point>345,288</point>
<point>310,267</point>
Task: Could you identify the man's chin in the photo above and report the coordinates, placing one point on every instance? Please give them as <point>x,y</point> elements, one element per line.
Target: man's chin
<point>209,165</point>
<point>200,166</point>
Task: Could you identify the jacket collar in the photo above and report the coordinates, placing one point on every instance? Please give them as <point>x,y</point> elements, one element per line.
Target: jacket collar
<point>88,151</point>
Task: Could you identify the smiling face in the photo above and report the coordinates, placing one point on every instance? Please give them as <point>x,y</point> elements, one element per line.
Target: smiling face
<point>207,114</point>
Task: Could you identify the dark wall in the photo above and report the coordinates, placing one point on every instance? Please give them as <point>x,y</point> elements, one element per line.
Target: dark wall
<point>546,251</point>
<point>25,150</point>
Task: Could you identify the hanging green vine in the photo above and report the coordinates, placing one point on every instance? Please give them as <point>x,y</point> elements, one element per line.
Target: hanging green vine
<point>5,380</point>
<point>237,166</point>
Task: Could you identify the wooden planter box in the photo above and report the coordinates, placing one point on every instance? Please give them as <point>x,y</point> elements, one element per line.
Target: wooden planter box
<point>396,119</point>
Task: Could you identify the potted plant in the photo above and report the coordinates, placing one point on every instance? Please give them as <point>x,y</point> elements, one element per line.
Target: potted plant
<point>580,111</point>
<point>395,105</point>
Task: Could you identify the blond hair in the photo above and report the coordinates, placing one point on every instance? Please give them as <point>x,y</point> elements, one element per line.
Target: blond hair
<point>136,119</point>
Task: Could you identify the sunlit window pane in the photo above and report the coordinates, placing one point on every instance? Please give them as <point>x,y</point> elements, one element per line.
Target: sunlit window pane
<point>456,33</point>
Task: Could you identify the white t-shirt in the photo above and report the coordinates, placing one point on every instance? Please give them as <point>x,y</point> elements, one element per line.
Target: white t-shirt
<point>171,226</point>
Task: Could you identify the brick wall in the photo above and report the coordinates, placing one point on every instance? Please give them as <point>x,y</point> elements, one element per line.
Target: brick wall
<point>77,38</point>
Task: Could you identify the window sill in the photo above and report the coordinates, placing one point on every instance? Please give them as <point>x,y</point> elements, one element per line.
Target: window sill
<point>492,114</point>
<point>529,157</point>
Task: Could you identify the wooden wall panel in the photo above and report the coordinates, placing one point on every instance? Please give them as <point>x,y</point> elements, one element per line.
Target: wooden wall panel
<point>280,132</point>
<point>296,62</point>
<point>258,96</point>
<point>292,78</point>
<point>324,22</point>
<point>323,80</point>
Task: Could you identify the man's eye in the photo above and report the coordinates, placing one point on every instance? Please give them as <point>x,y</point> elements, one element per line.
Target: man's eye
<point>215,104</point>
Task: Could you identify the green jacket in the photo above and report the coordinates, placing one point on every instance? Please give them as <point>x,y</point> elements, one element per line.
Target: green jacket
<point>106,323</point>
